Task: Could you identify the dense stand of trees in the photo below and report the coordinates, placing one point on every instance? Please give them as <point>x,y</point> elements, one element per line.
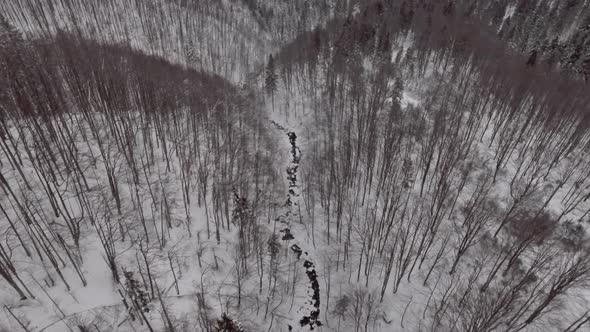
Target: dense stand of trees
<point>106,142</point>
<point>471,171</point>
<point>475,196</point>
<point>553,32</point>
<point>219,37</point>
<point>285,19</point>
<point>105,139</point>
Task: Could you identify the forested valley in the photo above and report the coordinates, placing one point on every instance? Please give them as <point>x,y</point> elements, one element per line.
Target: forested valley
<point>294,165</point>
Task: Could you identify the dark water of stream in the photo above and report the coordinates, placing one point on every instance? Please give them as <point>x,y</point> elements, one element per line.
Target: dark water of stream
<point>310,319</point>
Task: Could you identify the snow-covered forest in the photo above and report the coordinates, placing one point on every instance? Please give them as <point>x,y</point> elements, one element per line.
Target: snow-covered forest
<point>294,165</point>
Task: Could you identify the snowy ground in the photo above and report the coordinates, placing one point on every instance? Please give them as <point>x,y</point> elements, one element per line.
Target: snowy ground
<point>411,306</point>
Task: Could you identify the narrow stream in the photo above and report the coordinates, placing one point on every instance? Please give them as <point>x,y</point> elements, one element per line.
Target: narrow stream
<point>310,318</point>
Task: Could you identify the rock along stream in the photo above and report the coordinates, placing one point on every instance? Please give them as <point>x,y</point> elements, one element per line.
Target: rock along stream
<point>311,315</point>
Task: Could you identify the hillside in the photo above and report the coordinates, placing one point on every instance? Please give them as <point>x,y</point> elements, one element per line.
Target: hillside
<point>293,166</point>
<point>216,36</point>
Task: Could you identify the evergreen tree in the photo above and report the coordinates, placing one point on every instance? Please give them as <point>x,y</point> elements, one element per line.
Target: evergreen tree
<point>384,45</point>
<point>242,214</point>
<point>227,324</point>
<point>271,78</point>
<point>136,293</point>
<point>551,51</point>
<point>243,217</point>
<point>395,115</point>
<point>274,248</point>
<point>449,9</point>
<point>532,59</point>
<point>397,92</point>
